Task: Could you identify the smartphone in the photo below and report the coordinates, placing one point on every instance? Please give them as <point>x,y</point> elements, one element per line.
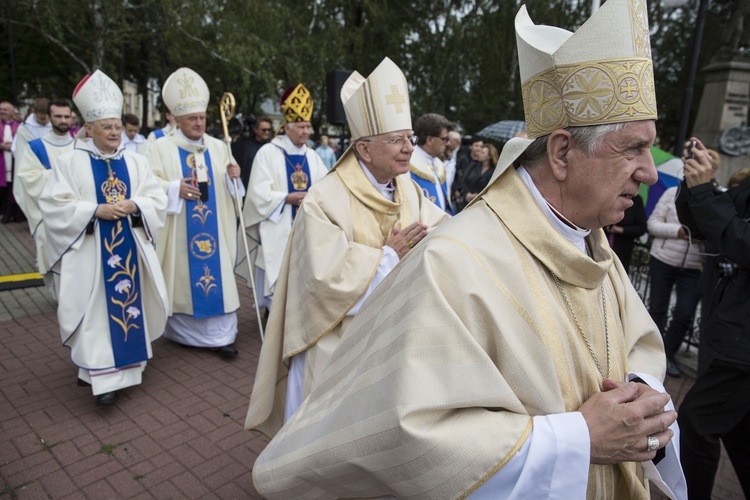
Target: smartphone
<point>690,149</point>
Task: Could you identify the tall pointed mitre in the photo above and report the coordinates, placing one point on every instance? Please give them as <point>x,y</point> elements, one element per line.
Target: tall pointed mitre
<point>600,74</point>
<point>185,92</point>
<point>296,104</point>
<point>377,104</point>
<point>98,97</point>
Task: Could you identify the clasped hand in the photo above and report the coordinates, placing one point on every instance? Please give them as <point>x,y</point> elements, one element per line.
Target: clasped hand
<point>403,240</point>
<point>115,211</point>
<point>621,418</point>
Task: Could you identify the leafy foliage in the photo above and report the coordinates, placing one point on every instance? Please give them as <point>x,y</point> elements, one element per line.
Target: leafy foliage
<point>459,55</point>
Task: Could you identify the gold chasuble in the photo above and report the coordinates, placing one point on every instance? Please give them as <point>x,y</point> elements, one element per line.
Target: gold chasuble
<point>332,255</point>
<point>433,388</point>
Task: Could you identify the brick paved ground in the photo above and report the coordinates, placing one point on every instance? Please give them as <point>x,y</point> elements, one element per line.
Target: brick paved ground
<point>177,435</point>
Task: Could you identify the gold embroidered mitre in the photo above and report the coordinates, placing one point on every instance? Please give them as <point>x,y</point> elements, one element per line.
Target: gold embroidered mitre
<point>377,104</point>
<point>600,74</point>
<point>297,104</point>
<point>98,97</point>
<point>185,92</point>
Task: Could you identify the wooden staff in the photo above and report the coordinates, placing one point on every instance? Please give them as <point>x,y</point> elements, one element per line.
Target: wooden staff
<point>227,111</point>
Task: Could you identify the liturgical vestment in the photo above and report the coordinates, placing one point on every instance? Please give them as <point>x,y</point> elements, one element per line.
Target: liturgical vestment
<point>74,246</point>
<point>436,385</point>
<point>198,266</point>
<point>333,257</point>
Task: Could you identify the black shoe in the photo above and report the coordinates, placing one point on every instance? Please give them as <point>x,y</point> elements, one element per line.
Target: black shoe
<point>227,351</point>
<point>83,383</point>
<point>106,399</point>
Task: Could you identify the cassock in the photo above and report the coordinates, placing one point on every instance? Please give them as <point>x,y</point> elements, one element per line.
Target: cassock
<point>429,174</point>
<point>335,258</point>
<point>31,175</point>
<point>198,246</point>
<point>464,371</point>
<point>112,302</point>
<point>279,168</point>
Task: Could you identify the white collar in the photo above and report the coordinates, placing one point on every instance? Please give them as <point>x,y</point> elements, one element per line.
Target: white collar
<point>424,153</point>
<point>194,142</point>
<point>386,189</point>
<point>575,236</point>
<point>90,147</point>
<point>285,143</point>
<point>57,140</point>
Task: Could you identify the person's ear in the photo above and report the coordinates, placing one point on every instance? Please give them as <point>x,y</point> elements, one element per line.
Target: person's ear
<point>363,150</point>
<point>559,145</point>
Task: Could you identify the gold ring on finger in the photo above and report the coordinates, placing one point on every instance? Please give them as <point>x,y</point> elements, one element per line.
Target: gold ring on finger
<point>410,243</point>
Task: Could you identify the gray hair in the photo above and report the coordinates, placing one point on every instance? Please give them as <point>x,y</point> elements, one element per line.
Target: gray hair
<point>588,138</point>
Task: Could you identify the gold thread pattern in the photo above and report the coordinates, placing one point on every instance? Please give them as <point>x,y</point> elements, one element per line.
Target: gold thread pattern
<point>594,93</point>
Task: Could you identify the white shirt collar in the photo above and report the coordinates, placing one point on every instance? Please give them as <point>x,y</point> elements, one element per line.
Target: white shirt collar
<point>424,153</point>
<point>386,189</point>
<point>575,236</point>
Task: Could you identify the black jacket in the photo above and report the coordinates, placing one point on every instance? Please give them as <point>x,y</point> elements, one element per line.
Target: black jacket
<point>721,218</point>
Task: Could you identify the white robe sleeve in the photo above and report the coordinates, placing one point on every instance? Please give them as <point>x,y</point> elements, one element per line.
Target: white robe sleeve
<point>174,202</point>
<point>230,187</point>
<point>553,462</point>
<point>667,475</point>
<point>387,262</point>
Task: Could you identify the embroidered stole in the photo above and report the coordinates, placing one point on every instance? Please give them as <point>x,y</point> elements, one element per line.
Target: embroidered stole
<point>297,175</point>
<point>158,133</point>
<point>37,146</point>
<point>425,175</point>
<point>120,266</point>
<point>204,255</point>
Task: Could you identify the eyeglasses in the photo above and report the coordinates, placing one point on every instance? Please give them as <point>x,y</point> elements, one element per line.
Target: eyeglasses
<point>399,141</point>
<point>445,139</point>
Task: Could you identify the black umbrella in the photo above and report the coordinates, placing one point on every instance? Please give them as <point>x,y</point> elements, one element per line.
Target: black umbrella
<point>502,131</point>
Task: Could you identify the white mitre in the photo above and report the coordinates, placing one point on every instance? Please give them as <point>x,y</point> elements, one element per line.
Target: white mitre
<point>98,97</point>
<point>600,74</point>
<point>377,104</point>
<point>185,92</point>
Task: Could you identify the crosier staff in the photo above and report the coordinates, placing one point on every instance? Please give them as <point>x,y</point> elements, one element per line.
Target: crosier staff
<point>227,111</point>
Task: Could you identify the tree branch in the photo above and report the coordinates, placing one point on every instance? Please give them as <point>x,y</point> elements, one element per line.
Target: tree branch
<point>55,41</point>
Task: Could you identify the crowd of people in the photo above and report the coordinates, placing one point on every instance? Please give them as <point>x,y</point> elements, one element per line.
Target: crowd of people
<point>440,320</point>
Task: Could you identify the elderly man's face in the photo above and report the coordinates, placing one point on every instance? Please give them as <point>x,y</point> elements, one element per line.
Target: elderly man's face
<point>6,111</point>
<point>600,187</point>
<point>60,118</point>
<point>387,155</point>
<point>193,126</point>
<point>106,134</point>
<point>298,132</point>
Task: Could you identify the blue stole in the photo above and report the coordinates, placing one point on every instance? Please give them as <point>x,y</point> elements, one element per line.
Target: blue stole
<point>203,244</point>
<point>37,146</point>
<point>297,175</point>
<point>429,189</point>
<point>120,266</point>
<point>158,133</point>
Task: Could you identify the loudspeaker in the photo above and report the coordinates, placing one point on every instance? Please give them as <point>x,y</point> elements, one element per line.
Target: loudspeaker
<point>335,108</point>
